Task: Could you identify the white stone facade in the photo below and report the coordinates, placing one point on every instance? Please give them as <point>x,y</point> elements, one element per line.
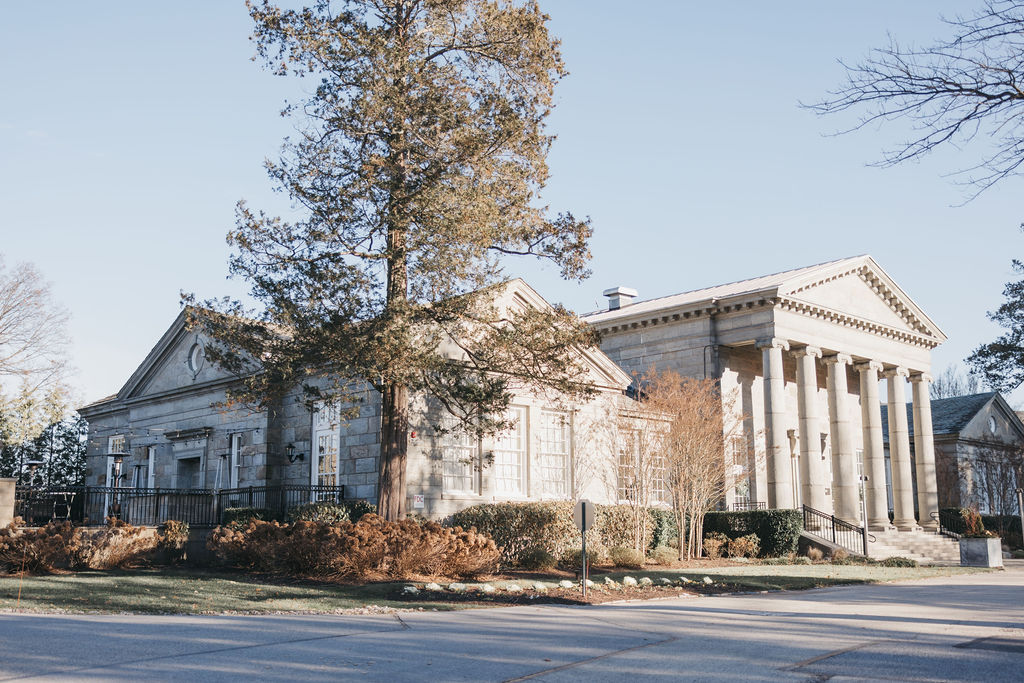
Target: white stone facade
<point>802,352</point>
<point>172,425</point>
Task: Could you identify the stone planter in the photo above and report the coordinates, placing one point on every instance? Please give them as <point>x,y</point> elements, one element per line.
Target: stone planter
<point>981,552</point>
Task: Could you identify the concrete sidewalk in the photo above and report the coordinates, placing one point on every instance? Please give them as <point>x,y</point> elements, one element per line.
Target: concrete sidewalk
<point>963,628</point>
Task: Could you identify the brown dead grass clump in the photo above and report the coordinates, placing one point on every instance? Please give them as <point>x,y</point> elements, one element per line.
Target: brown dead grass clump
<point>370,548</point>
<point>59,545</point>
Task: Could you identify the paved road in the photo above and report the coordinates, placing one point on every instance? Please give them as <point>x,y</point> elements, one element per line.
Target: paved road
<point>967,628</point>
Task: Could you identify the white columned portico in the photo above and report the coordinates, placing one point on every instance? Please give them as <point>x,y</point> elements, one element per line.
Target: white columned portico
<point>924,450</point>
<point>845,487</point>
<point>812,470</point>
<point>780,481</point>
<point>874,448</point>
<point>899,451</point>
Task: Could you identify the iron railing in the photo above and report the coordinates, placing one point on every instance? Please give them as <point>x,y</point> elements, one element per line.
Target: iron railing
<point>748,505</point>
<point>950,522</point>
<point>152,506</point>
<point>837,531</point>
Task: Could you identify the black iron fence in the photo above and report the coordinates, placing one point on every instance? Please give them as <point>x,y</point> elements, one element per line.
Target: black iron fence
<point>742,505</point>
<point>152,506</point>
<point>837,531</point>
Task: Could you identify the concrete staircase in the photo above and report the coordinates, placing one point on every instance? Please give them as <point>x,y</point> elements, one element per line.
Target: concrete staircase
<point>924,546</point>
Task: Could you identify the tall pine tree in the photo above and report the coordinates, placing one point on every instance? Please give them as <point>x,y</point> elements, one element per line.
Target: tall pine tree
<point>417,168</point>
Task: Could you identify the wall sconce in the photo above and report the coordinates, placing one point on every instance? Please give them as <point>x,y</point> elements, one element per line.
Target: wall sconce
<point>292,455</point>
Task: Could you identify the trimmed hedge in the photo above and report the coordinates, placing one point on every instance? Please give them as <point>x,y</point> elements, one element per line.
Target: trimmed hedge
<point>522,528</point>
<point>778,530</point>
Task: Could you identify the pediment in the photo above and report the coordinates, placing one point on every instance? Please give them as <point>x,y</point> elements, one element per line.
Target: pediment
<point>863,292</point>
<point>176,362</point>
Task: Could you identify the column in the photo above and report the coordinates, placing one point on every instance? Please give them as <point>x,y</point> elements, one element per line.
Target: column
<point>874,448</point>
<point>812,468</point>
<point>899,451</point>
<point>845,486</point>
<point>924,451</point>
<point>780,481</point>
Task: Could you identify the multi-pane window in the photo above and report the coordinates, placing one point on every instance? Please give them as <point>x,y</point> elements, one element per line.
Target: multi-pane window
<point>510,455</point>
<point>234,459</point>
<point>553,455</point>
<point>116,444</point>
<point>325,444</point>
<point>151,467</point>
<point>642,475</point>
<point>740,475</point>
<point>459,449</point>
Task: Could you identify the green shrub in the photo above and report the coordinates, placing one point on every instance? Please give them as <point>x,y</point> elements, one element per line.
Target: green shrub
<point>240,517</point>
<point>898,562</point>
<point>777,530</point>
<point>744,546</point>
<point>518,527</point>
<point>327,512</point>
<point>664,531</point>
<point>614,525</point>
<point>628,558</point>
<point>357,508</point>
<point>537,559</point>
<point>664,555</point>
<point>573,558</point>
<point>714,544</point>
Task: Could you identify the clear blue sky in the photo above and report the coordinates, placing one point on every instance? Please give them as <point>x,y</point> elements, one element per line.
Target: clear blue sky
<point>129,130</point>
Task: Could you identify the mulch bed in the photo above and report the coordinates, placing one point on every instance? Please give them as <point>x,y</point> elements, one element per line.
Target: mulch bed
<point>567,596</point>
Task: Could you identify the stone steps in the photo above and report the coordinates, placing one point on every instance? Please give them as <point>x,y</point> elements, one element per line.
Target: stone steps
<point>923,546</point>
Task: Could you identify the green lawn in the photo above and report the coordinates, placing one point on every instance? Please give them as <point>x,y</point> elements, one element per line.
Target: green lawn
<point>192,591</point>
<point>184,591</point>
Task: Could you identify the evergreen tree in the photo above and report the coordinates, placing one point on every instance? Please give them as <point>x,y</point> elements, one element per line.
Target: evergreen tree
<point>417,169</point>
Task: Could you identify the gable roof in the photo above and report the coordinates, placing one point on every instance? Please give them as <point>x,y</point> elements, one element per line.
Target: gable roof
<point>791,287</point>
<point>517,289</point>
<point>949,415</point>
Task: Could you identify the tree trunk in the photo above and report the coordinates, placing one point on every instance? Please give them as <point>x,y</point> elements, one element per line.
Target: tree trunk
<point>394,447</point>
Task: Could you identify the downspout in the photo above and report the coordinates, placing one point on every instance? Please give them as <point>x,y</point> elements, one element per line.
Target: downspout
<point>713,338</point>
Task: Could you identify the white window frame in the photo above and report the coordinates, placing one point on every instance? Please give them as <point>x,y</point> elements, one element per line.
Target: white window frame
<point>554,455</point>
<point>460,455</point>
<point>326,432</point>
<point>151,467</point>
<point>234,459</point>
<point>511,454</point>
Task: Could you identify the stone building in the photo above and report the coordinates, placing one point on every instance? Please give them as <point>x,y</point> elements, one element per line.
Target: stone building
<point>801,354</point>
<point>172,426</point>
<point>979,449</point>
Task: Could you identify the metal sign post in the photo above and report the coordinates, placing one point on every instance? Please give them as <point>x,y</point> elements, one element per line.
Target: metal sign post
<point>1020,507</point>
<point>583,517</point>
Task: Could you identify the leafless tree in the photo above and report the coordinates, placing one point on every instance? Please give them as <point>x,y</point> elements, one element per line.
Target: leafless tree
<point>959,89</point>
<point>699,424</point>
<point>990,476</point>
<point>641,467</point>
<point>33,338</point>
<point>953,382</point>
